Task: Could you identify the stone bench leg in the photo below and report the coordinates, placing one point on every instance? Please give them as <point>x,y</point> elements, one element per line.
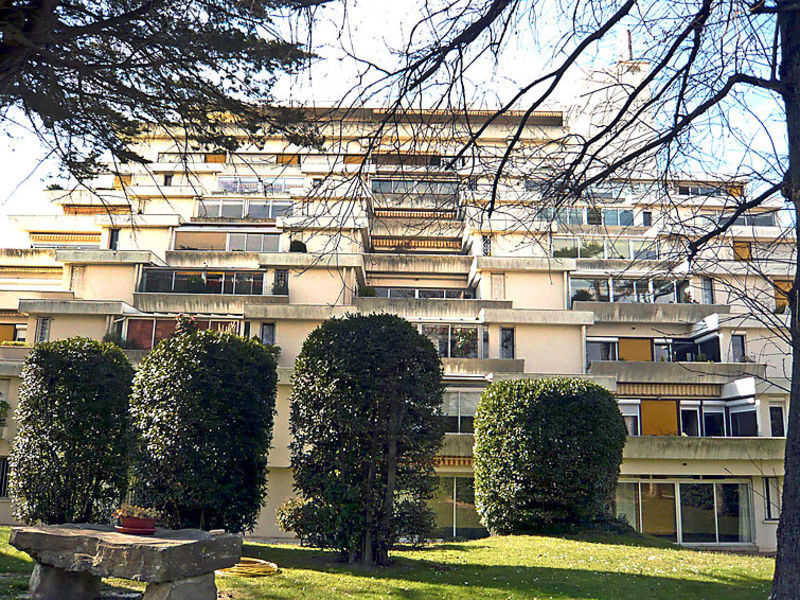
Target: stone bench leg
<point>52,583</point>
<point>201,587</point>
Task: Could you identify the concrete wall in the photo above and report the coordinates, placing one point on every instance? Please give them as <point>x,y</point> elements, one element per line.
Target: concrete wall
<point>535,290</point>
<point>105,282</point>
<point>550,349</point>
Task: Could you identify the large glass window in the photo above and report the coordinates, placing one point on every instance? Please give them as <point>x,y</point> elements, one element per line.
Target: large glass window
<point>698,514</point>
<point>624,290</point>
<point>626,503</point>
<point>690,420</point>
<point>744,423</point>
<point>714,422</point>
<point>506,342</point>
<point>440,336</point>
<point>733,513</point>
<point>595,290</point>
<point>630,414</point>
<point>600,350</point>
<point>663,291</point>
<point>454,508</point>
<point>453,341</point>
<point>202,282</point>
<point>459,408</point>
<point>658,510</point>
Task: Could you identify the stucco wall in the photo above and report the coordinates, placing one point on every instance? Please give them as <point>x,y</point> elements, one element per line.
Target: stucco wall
<point>535,290</point>
<point>550,349</point>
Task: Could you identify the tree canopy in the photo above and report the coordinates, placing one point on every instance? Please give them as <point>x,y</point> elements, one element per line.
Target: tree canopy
<point>90,76</point>
<point>366,395</point>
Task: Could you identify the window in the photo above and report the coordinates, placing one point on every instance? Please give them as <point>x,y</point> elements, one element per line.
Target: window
<point>506,342</point>
<point>424,293</point>
<point>690,421</point>
<point>268,334</point>
<point>738,348</point>
<point>591,290</point>
<point>647,218</point>
<point>624,290</point>
<point>600,350</point>
<point>662,351</point>
<point>776,421</point>
<point>707,285</point>
<point>630,414</point>
<point>43,329</point>
<point>663,291</point>
<point>773,498</point>
<point>453,341</point>
<point>168,179</point>
<point>644,249</point>
<point>744,423</point>
<point>618,217</point>
<point>280,282</point>
<point>113,239</point>
<point>714,421</point>
<point>486,245</point>
<point>254,242</point>
<point>458,407</point>
<point>742,251</point>
<point>4,473</point>
<point>20,333</point>
<point>594,216</point>
<point>701,190</point>
<point>202,282</point>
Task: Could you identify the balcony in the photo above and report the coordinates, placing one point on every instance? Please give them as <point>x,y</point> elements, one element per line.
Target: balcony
<point>746,449</point>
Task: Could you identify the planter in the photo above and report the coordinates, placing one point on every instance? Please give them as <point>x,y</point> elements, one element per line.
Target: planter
<point>136,525</point>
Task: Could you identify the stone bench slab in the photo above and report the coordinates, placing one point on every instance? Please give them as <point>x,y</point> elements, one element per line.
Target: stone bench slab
<point>167,555</point>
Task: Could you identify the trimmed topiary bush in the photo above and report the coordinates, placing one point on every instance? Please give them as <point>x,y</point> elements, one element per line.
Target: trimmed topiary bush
<point>547,453</point>
<point>365,427</point>
<point>203,408</point>
<point>69,460</point>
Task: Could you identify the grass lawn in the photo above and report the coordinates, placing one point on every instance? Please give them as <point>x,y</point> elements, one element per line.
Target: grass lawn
<point>607,568</point>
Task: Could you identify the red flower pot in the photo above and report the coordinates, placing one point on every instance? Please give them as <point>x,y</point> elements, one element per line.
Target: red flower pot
<point>137,523</point>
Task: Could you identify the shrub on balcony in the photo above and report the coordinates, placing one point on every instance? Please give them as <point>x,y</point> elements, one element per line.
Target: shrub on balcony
<point>547,454</point>
<point>202,408</point>
<point>367,390</point>
<point>69,460</point>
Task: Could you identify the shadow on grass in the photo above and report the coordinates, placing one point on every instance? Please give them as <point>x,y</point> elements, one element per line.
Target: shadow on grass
<point>416,578</point>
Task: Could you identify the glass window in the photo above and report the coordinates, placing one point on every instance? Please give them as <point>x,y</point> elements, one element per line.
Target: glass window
<point>268,334</point>
<point>626,503</point>
<point>744,423</point>
<point>658,510</point>
<point>237,241</point>
<point>626,218</point>
<point>600,351</point>
<point>594,216</point>
<point>431,294</point>
<point>611,216</point>
<point>707,290</point>
<point>464,342</point>
<point>208,208</point>
<point>281,209</point>
<point>630,414</point>
<point>565,248</point>
<point>254,242</point>
<point>714,422</point>
<point>776,421</point>
<point>140,333</point>
<point>506,342</point>
<point>662,352</point>
<point>642,290</point>
<point>733,512</point>
<point>663,291</point>
<point>258,210</point>
<point>737,348</point>
<point>690,421</point>
<point>624,290</point>
<point>439,335</point>
<point>773,498</point>
<point>592,248</point>
<point>698,514</point>
<point>593,290</point>
<point>402,293</point>
<point>645,249</point>
<point>271,243</point>
<point>232,210</point>
<point>620,249</point>
<point>647,218</point>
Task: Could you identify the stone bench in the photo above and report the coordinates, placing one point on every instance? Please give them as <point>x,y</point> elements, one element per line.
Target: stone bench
<point>176,564</point>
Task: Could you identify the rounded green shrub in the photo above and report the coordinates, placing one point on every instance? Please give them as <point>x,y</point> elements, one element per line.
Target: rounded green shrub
<point>364,420</point>
<point>203,408</point>
<point>69,460</point>
<point>547,452</point>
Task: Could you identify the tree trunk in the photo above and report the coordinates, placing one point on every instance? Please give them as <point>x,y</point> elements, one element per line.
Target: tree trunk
<point>385,529</point>
<point>786,584</point>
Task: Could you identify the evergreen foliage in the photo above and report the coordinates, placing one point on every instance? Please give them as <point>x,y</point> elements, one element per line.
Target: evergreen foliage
<point>547,453</point>
<point>203,407</point>
<point>365,427</point>
<point>69,461</point>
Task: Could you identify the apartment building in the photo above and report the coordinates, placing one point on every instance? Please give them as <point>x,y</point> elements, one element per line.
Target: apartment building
<point>270,242</point>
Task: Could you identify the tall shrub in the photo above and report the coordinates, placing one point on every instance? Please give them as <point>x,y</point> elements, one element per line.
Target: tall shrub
<point>547,452</point>
<point>366,395</point>
<point>203,408</point>
<point>69,460</point>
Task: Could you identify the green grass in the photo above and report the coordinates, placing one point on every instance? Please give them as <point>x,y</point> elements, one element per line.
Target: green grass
<point>594,566</point>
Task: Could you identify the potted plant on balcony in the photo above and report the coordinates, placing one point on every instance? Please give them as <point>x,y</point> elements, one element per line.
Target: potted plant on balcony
<point>136,519</point>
